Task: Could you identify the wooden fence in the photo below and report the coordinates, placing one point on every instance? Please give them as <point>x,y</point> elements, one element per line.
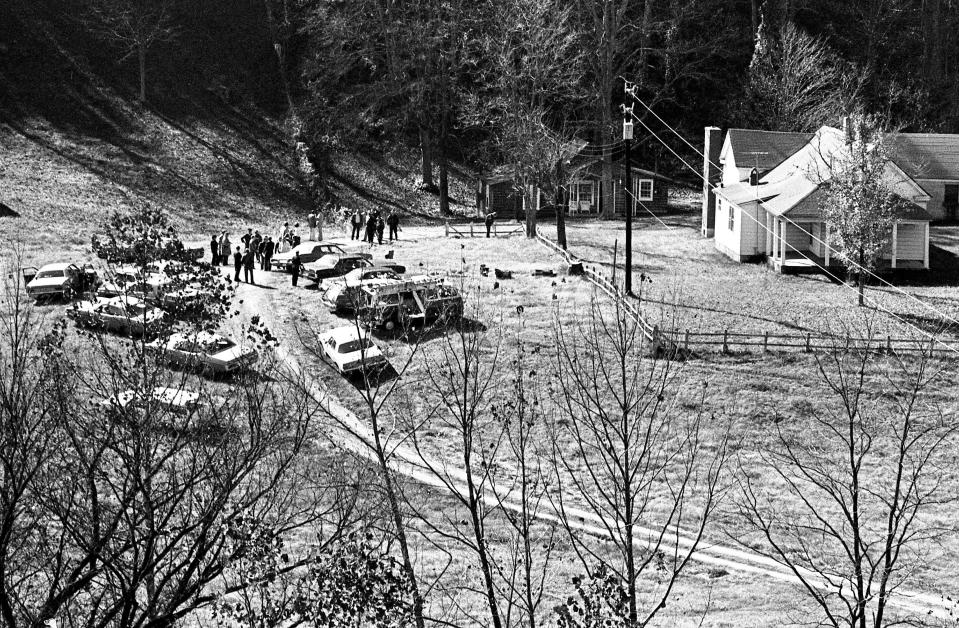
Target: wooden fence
<point>478,230</point>
<point>686,343</point>
<point>733,341</point>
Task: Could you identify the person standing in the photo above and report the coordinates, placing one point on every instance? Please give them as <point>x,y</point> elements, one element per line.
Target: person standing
<point>380,225</point>
<point>356,221</point>
<point>225,249</point>
<point>248,261</point>
<point>393,222</point>
<point>370,227</point>
<point>268,247</point>
<point>490,217</point>
<point>295,235</point>
<point>311,221</point>
<point>215,250</point>
<point>283,240</point>
<point>246,238</point>
<point>237,264</point>
<point>256,243</point>
<point>295,267</point>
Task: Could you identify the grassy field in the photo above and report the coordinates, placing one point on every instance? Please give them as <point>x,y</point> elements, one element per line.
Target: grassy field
<point>697,288</point>
<point>753,395</point>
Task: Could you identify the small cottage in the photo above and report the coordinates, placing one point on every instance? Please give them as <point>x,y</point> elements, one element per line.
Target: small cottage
<point>496,191</point>
<point>774,214</point>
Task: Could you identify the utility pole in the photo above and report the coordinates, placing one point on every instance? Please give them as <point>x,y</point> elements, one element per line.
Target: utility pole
<point>628,192</point>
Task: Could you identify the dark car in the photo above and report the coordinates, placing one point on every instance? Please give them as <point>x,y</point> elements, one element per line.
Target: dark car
<point>334,266</point>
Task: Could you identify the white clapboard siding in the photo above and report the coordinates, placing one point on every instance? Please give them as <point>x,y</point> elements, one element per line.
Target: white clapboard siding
<point>911,242</point>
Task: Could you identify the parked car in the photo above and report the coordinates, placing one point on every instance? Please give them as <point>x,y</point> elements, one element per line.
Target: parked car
<point>416,300</point>
<point>62,280</point>
<point>125,315</point>
<point>309,252</point>
<point>351,350</point>
<point>334,266</point>
<point>209,352</point>
<point>343,297</point>
<point>154,285</point>
<point>178,400</point>
<point>372,270</point>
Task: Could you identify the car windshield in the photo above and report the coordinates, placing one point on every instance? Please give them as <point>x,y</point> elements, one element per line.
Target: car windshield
<point>136,309</point>
<point>45,274</point>
<point>357,344</point>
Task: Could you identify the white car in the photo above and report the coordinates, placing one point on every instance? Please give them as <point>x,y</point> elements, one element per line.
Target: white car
<point>171,399</point>
<point>126,315</point>
<point>63,280</point>
<point>351,350</point>
<point>206,351</point>
<point>309,252</point>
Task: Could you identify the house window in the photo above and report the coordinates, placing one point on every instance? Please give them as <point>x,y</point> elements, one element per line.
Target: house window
<point>645,189</point>
<point>584,192</point>
<point>732,217</point>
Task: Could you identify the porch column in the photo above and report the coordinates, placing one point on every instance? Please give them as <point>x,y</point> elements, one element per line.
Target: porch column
<point>774,248</point>
<point>925,256</point>
<point>769,234</point>
<point>826,240</point>
<point>895,242</point>
<point>782,242</point>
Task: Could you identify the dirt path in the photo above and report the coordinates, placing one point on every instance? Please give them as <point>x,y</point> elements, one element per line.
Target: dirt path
<point>263,300</point>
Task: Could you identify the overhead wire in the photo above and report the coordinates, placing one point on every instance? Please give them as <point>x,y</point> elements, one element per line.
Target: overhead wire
<point>852,263</point>
<point>785,242</point>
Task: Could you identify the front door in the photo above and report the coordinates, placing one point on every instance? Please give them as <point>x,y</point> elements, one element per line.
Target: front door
<point>950,201</point>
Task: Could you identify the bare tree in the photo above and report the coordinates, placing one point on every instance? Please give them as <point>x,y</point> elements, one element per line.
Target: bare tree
<point>136,26</point>
<point>627,454</point>
<point>796,82</point>
<point>855,485</point>
<point>378,432</point>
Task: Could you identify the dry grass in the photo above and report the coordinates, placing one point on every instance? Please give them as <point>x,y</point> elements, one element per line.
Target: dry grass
<point>697,288</point>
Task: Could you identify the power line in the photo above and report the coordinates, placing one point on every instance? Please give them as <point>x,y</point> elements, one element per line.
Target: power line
<point>787,244</point>
<point>789,220</point>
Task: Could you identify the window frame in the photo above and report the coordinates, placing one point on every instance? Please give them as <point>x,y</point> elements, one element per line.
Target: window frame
<point>638,189</point>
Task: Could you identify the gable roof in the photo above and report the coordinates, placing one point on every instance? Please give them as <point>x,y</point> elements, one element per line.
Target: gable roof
<point>927,155</point>
<point>767,149</point>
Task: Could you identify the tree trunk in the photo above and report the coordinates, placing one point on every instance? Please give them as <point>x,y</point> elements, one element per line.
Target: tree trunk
<point>142,60</point>
<point>426,149</point>
<point>528,195</point>
<point>444,183</point>
<point>862,279</point>
<point>561,205</point>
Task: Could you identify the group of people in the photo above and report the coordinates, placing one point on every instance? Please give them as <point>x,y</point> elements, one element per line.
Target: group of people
<point>256,249</point>
<point>374,226</point>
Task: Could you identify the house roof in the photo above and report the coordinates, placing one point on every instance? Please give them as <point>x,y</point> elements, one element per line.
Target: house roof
<point>767,149</point>
<point>927,155</point>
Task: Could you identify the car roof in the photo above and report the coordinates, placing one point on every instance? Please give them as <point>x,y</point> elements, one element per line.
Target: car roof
<point>199,336</point>
<point>123,300</point>
<point>345,333</point>
<point>57,266</point>
<point>175,396</point>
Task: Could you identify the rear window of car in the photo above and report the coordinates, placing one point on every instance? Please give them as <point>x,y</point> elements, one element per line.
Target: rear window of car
<point>355,345</point>
<point>45,274</point>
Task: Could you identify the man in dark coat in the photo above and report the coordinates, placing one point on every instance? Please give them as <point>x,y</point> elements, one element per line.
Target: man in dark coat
<point>215,250</point>
<point>490,217</point>
<point>295,267</point>
<point>380,225</point>
<point>266,253</point>
<point>246,238</point>
<point>248,260</point>
<point>255,244</point>
<point>393,222</point>
<point>237,264</point>
<point>371,227</point>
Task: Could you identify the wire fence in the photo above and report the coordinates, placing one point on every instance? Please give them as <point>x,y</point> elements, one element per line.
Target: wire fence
<point>687,343</point>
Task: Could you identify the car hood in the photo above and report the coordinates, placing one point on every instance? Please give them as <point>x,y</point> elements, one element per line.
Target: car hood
<point>283,257</point>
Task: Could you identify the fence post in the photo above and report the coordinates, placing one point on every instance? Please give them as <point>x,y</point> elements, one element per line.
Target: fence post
<point>446,226</point>
<point>808,339</point>
<point>765,341</point>
<point>471,228</point>
<point>686,341</point>
<point>888,344</point>
<point>932,345</point>
<point>725,341</point>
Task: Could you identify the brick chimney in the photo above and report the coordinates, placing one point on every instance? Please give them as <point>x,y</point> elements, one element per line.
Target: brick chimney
<point>712,145</point>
